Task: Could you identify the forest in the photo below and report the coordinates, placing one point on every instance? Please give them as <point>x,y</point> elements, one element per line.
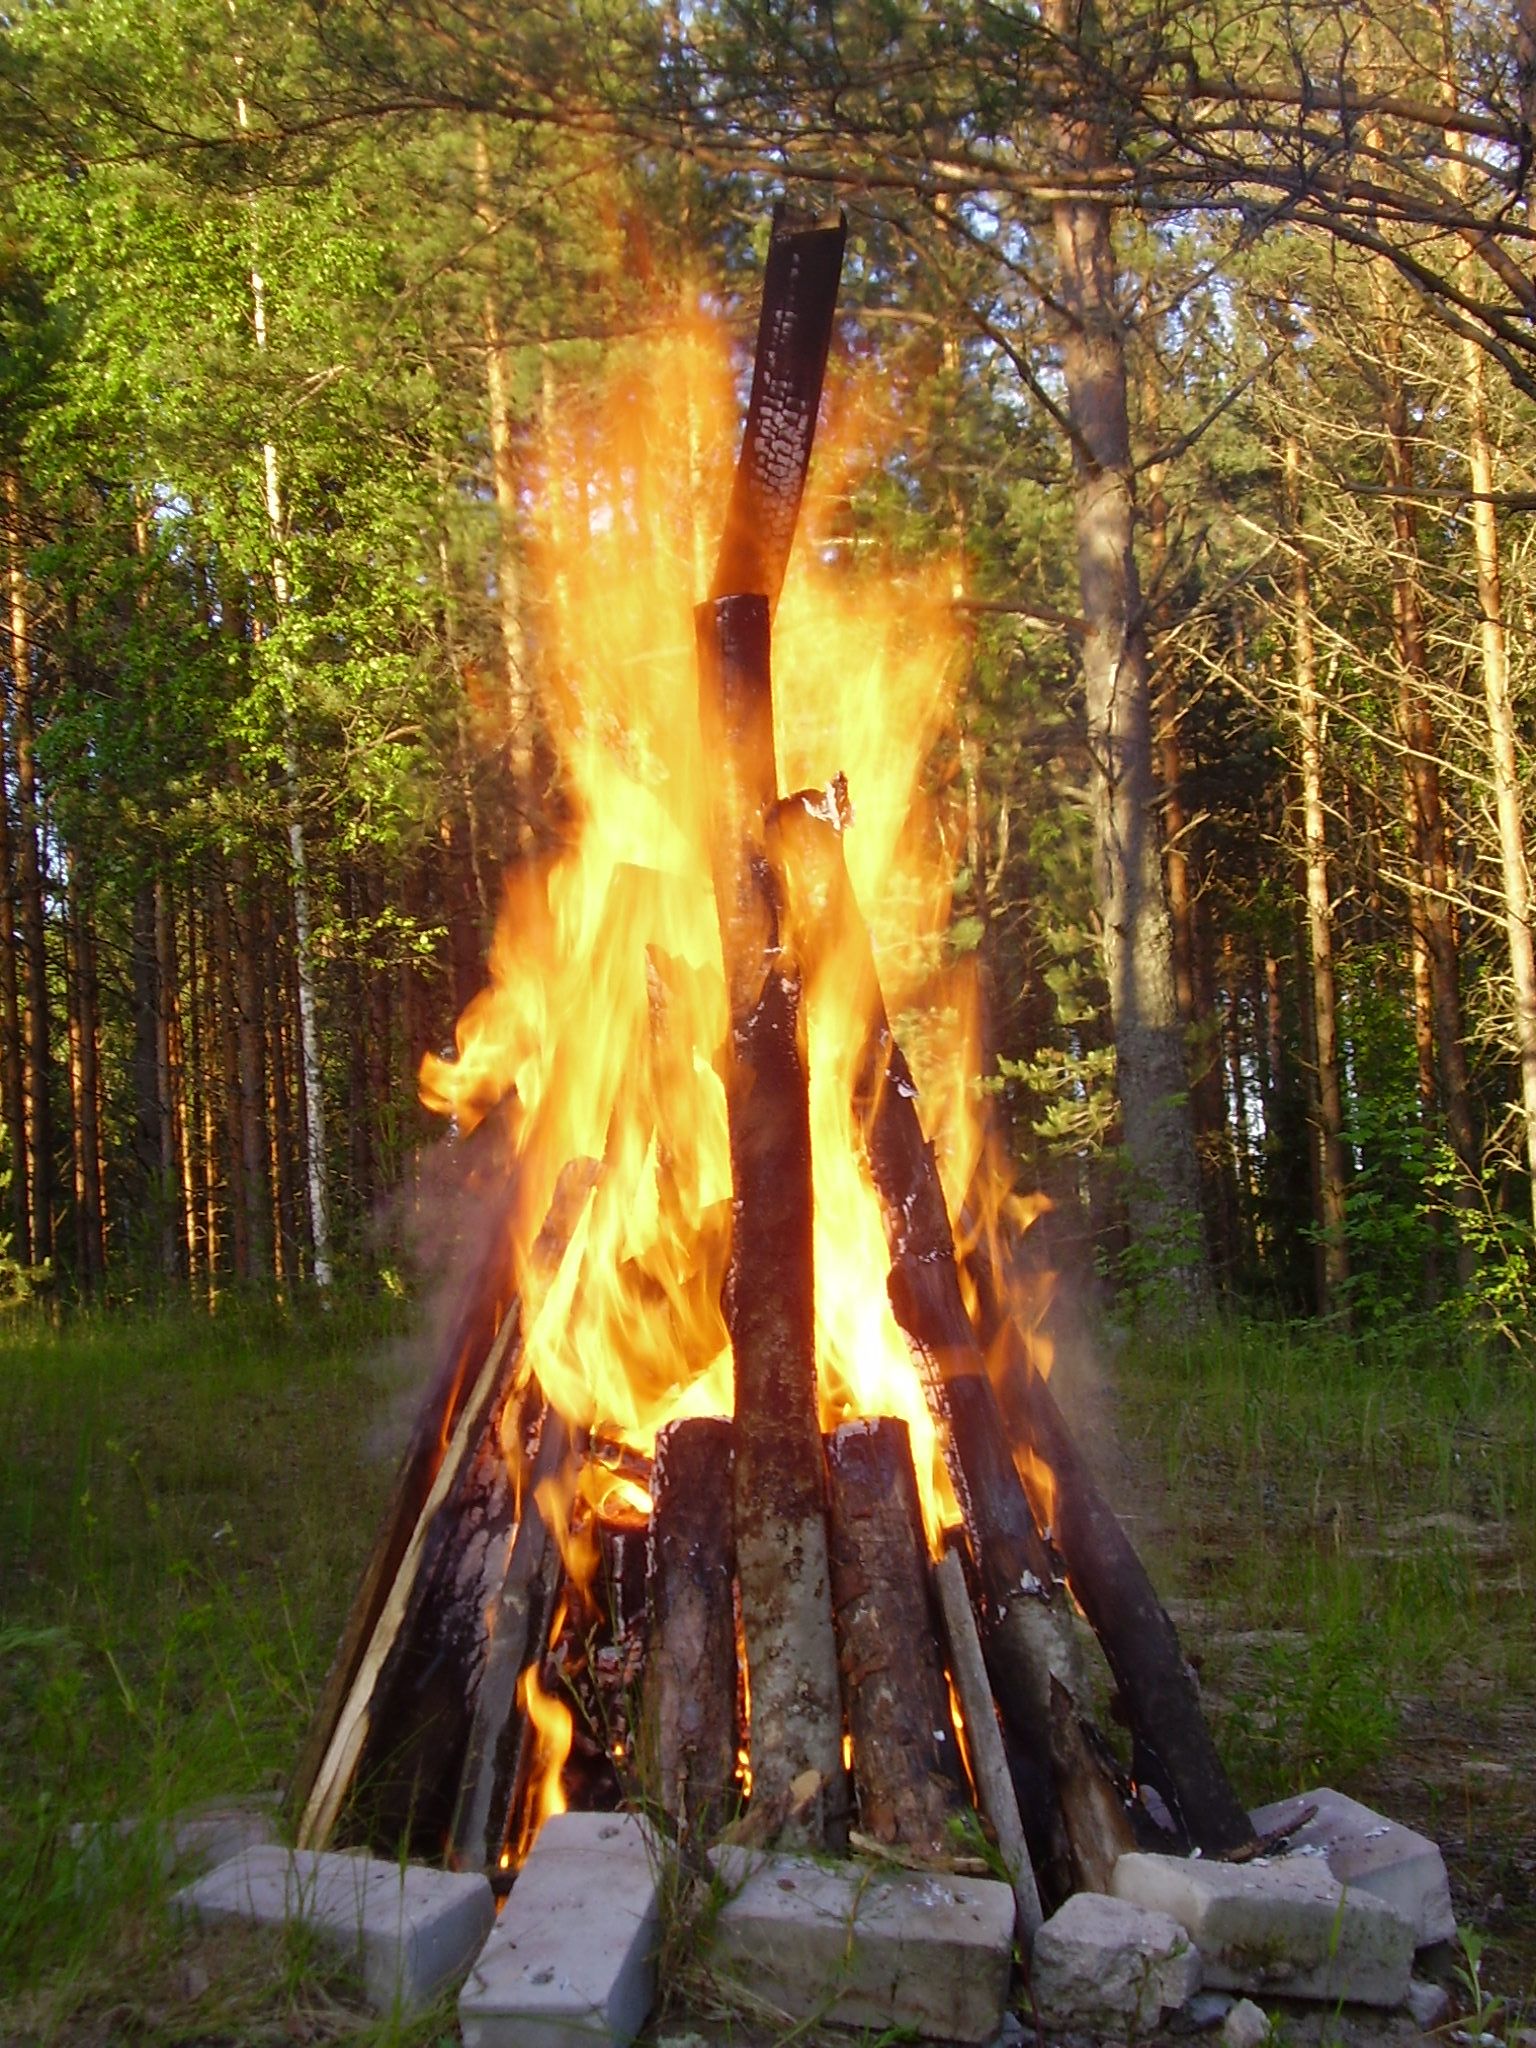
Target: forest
<point>1196,340</point>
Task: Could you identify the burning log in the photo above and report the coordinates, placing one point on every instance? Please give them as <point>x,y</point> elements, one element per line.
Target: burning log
<point>484,1319</point>
<point>689,1710</point>
<point>1173,1751</point>
<point>395,1710</point>
<point>769,1302</point>
<point>495,1757</point>
<point>1029,1633</point>
<point>794,335</point>
<point>906,1767</point>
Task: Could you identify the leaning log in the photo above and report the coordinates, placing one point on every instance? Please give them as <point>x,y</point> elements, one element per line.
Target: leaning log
<point>413,1647</point>
<point>495,1760</point>
<point>689,1736</point>
<point>1172,1747</point>
<point>907,1775</point>
<point>1029,1632</point>
<point>794,333</point>
<point>769,1297</point>
<point>996,1798</point>
<point>487,1306</point>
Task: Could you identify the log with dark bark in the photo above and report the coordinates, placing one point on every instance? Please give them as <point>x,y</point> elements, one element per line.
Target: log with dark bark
<point>1172,1747</point>
<point>483,1309</point>
<point>769,1299</point>
<point>689,1736</point>
<point>494,1757</point>
<point>805,260</point>
<point>396,1708</point>
<point>1027,1628</point>
<point>906,1766</point>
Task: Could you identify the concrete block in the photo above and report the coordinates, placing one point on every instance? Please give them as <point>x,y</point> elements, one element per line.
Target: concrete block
<point>1366,1850</point>
<point>572,1961</point>
<point>1245,2026</point>
<point>198,1838</point>
<point>203,1837</point>
<point>410,1932</point>
<point>865,1947</point>
<point>1287,1926</point>
<point>1106,1966</point>
<point>1428,2004</point>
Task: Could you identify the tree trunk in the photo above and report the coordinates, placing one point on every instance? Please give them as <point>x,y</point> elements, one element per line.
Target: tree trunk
<point>1330,1101</point>
<point>13,1092</point>
<point>1436,965</point>
<point>1164,1185</point>
<point>520,740</point>
<point>1493,648</point>
<point>92,1232</point>
<point>256,1185</point>
<point>221,946</point>
<point>315,1166</point>
<point>29,889</point>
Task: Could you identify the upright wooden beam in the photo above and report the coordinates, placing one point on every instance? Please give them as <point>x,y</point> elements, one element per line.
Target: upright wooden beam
<point>795,1738</point>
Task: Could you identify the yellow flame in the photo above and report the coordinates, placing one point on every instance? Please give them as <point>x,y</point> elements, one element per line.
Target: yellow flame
<point>606,1010</point>
<point>550,1719</point>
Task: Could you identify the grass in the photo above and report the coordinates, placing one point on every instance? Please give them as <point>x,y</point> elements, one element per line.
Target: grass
<point>1347,1537</point>
<point>1348,1540</point>
<point>184,1503</point>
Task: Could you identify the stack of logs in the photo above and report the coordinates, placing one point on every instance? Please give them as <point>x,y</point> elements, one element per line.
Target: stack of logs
<point>808,1553</point>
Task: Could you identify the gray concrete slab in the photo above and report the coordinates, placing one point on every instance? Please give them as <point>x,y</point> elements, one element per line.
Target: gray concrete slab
<point>572,1961</point>
<point>410,1932</point>
<point>1368,1851</point>
<point>863,1946</point>
<point>1286,1926</point>
<point>1104,1965</point>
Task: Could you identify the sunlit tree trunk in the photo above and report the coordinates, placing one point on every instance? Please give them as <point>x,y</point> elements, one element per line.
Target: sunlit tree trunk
<point>1331,1172</point>
<point>85,1082</point>
<point>1439,1035</point>
<point>520,742</point>
<point>29,886</point>
<point>315,1168</point>
<point>1164,1187</point>
<point>13,1090</point>
<point>1493,648</point>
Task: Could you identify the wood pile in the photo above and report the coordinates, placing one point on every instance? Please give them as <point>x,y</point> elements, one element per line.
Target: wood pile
<point>769,1653</point>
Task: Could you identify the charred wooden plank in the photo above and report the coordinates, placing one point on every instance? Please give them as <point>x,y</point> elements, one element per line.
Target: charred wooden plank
<point>406,1775</point>
<point>688,1717</point>
<point>769,1296</point>
<point>794,334</point>
<point>486,1304</point>
<point>1095,1802</point>
<point>906,1766</point>
<point>415,1671</point>
<point>494,1761</point>
<point>358,1719</point>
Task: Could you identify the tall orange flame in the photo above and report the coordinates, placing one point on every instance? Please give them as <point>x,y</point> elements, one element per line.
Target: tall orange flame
<point>605,1013</point>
